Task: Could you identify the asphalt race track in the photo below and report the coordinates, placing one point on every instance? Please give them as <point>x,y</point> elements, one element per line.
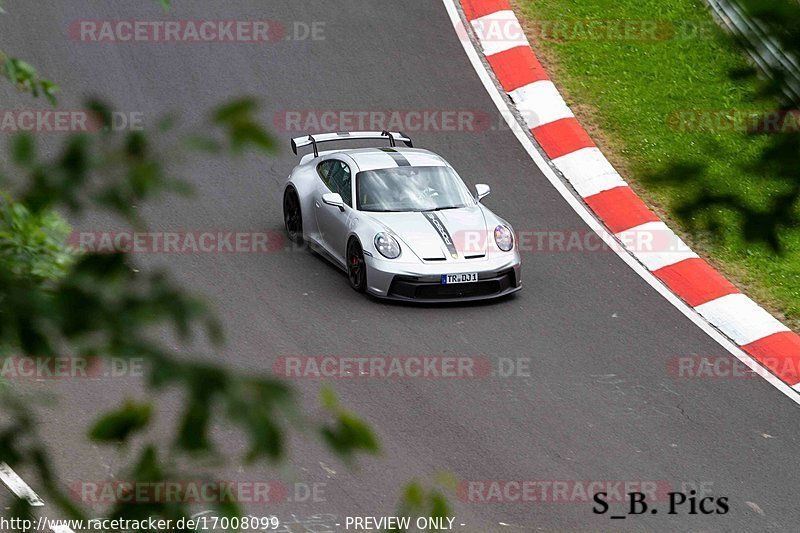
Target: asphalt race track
<point>599,402</point>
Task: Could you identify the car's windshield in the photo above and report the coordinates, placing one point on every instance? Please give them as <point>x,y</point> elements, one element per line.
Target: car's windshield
<point>411,189</point>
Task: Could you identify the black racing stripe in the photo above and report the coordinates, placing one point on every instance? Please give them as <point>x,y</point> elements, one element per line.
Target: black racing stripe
<point>397,156</point>
<point>443,233</point>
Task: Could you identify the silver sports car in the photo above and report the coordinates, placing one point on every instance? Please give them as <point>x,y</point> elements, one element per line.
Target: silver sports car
<point>399,221</point>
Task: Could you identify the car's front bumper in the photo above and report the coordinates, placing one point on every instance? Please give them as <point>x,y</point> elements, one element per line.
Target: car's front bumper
<point>498,275</point>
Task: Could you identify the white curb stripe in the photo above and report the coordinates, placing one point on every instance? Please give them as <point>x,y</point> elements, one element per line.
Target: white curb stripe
<point>540,103</point>
<point>655,245</point>
<point>740,318</point>
<point>588,171</point>
<point>501,102</point>
<point>16,485</point>
<point>499,31</point>
<point>61,529</point>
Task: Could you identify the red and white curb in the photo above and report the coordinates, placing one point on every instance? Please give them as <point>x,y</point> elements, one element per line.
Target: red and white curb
<point>573,153</point>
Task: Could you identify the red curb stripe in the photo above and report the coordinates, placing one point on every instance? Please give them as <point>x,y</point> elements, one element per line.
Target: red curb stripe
<point>562,137</point>
<point>478,8</point>
<point>780,352</point>
<point>517,67</point>
<point>695,281</point>
<point>620,209</point>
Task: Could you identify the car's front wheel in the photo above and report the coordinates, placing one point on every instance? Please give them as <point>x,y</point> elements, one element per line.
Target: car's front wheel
<point>356,266</point>
<point>292,216</point>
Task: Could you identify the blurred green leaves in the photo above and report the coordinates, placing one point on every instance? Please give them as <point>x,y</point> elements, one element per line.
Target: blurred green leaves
<point>117,426</point>
<point>238,118</point>
<point>150,470</point>
<point>345,434</point>
<point>33,244</point>
<point>55,299</point>
<point>25,77</point>
<point>420,499</point>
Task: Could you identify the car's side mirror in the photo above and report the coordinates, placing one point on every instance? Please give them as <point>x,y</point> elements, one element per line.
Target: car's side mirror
<point>482,191</point>
<point>334,199</point>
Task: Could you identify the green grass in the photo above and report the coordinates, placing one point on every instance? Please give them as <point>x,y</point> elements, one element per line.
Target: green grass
<point>625,90</point>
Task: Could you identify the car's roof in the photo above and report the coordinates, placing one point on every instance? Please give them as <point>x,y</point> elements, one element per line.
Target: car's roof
<point>377,158</point>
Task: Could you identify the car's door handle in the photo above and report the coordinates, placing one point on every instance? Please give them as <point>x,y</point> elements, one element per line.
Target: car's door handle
<point>316,203</point>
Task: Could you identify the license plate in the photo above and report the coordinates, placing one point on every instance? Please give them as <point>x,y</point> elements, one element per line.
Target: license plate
<point>449,279</point>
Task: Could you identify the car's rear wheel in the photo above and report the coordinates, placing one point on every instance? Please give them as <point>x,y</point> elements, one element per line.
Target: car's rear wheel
<point>356,266</point>
<point>292,216</point>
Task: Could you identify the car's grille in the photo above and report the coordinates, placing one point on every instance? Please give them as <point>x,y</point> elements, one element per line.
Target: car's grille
<point>487,285</point>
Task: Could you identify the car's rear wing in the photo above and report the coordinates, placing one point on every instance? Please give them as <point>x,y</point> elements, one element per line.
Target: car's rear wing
<point>314,140</point>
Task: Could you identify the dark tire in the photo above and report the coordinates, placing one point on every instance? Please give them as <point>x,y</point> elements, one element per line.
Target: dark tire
<point>292,216</point>
<point>356,266</point>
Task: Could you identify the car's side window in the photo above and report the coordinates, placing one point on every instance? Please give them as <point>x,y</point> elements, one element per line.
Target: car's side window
<point>324,171</point>
<point>340,181</point>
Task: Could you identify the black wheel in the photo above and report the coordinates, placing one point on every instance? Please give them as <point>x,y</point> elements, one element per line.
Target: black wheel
<point>292,216</point>
<point>356,266</point>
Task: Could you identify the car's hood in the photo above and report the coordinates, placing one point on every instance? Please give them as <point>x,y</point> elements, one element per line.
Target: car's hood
<point>435,235</point>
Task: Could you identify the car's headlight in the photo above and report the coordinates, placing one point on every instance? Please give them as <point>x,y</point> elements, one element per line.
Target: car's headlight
<point>504,238</point>
<point>387,245</point>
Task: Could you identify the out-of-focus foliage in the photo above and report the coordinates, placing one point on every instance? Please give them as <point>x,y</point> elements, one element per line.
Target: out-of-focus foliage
<point>425,500</point>
<point>55,301</point>
<point>25,77</point>
<point>346,434</point>
<point>32,245</point>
